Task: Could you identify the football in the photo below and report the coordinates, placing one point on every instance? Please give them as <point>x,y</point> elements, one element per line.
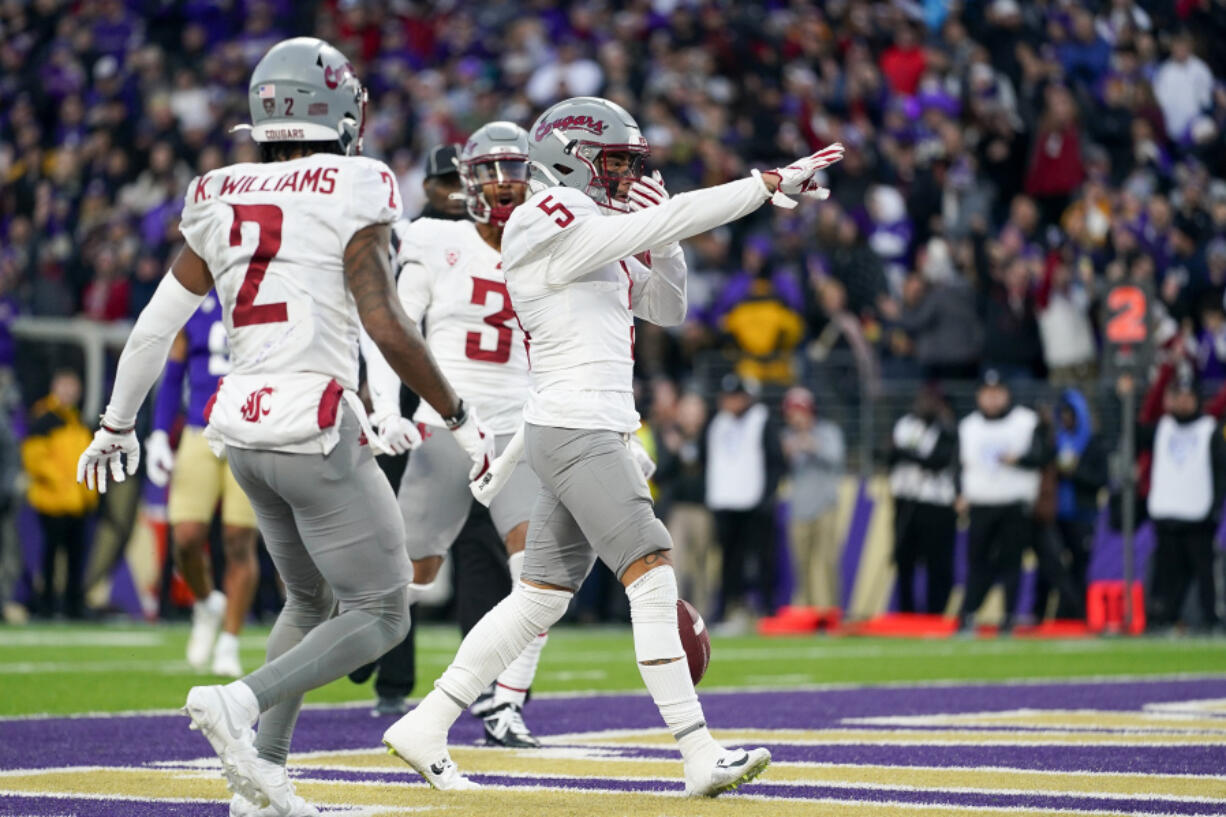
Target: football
<point>694,638</point>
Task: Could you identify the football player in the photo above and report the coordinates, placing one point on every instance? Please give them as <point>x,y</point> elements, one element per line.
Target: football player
<point>577,269</point>
<point>198,480</point>
<point>451,283</point>
<point>298,249</point>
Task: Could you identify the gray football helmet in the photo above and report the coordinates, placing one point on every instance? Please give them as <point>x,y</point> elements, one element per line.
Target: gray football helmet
<point>496,153</point>
<point>304,90</point>
<point>572,143</point>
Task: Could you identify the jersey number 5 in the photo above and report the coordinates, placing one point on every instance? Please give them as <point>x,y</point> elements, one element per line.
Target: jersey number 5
<point>268,217</point>
<point>482,289</point>
<point>564,216</point>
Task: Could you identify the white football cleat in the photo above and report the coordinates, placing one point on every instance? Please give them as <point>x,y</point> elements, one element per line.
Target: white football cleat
<point>411,741</point>
<point>225,657</point>
<point>275,776</point>
<point>730,770</point>
<point>206,621</point>
<point>228,730</point>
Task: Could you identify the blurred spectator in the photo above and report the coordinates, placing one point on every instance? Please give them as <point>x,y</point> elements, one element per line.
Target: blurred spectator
<point>939,314</point>
<point>1081,472</point>
<point>1183,86</point>
<point>1056,167</point>
<point>923,465</point>
<point>1063,306</point>
<point>744,466</point>
<point>681,476</point>
<point>10,474</point>
<point>1001,449</point>
<point>1187,486</point>
<point>816,457</point>
<point>49,453</point>
<point>1007,306</point>
<point>763,322</point>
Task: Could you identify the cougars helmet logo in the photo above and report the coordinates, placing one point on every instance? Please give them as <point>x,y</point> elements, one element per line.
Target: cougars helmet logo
<point>255,407</point>
<point>587,123</point>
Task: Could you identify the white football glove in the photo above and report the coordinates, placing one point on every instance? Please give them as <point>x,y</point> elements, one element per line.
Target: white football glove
<point>107,452</point>
<point>487,486</point>
<point>797,179</point>
<point>641,458</point>
<point>477,443</point>
<point>400,434</point>
<point>159,458</point>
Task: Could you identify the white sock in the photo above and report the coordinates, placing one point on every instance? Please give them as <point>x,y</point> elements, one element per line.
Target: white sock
<point>244,697</point>
<point>227,644</point>
<point>499,638</point>
<point>653,616</point>
<point>416,591</point>
<point>215,603</point>
<point>513,683</point>
<point>515,563</point>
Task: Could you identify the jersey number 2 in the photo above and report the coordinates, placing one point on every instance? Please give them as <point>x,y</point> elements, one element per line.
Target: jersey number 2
<point>268,217</point>
<point>482,289</point>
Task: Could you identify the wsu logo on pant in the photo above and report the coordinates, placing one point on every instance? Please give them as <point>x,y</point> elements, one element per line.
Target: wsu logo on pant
<point>255,408</point>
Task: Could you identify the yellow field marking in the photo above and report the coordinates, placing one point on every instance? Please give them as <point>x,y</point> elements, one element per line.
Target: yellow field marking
<point>1067,719</point>
<point>404,800</point>
<point>906,737</point>
<point>530,763</point>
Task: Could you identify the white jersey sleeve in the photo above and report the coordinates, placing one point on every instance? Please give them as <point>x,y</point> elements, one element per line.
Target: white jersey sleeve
<point>567,227</point>
<point>413,278</point>
<point>374,197</point>
<point>658,294</point>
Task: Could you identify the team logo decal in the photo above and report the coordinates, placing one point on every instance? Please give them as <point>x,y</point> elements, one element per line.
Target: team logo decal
<point>255,408</point>
<point>452,256</point>
<point>587,123</point>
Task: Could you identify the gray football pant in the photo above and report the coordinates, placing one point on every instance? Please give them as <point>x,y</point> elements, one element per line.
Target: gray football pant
<point>594,501</point>
<point>333,529</point>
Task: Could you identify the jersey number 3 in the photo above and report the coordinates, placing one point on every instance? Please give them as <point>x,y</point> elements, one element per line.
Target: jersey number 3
<point>482,289</point>
<point>268,217</point>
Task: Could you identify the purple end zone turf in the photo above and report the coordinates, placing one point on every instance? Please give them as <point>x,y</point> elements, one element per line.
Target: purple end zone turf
<point>142,739</point>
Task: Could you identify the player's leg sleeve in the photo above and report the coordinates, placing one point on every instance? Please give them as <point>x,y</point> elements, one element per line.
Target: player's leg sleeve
<point>516,679</point>
<point>498,638</point>
<point>661,660</point>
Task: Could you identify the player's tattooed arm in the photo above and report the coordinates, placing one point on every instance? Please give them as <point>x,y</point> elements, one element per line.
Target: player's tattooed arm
<point>368,275</point>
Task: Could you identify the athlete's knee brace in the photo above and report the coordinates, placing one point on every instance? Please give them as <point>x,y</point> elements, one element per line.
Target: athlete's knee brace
<point>499,637</point>
<point>653,614</point>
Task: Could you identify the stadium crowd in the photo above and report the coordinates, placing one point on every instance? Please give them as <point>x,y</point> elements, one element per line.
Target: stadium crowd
<point>1006,162</point>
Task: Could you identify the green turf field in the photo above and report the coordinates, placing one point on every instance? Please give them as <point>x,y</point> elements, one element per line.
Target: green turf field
<point>99,668</point>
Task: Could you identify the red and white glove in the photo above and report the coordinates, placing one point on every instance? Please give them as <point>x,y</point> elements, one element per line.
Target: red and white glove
<point>400,434</point>
<point>797,179</point>
<point>477,442</point>
<point>107,453</point>
<point>648,191</point>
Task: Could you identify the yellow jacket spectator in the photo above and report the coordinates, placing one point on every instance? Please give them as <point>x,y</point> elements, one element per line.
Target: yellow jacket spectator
<point>766,332</point>
<point>50,452</point>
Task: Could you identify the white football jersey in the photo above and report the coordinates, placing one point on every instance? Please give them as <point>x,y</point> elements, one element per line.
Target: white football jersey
<point>451,281</point>
<point>274,236</point>
<point>577,288</point>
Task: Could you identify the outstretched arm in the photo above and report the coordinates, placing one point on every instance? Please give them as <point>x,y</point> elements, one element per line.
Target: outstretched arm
<point>588,243</point>
<point>368,275</point>
<point>144,356</point>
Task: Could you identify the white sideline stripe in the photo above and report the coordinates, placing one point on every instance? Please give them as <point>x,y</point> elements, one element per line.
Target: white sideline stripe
<point>96,667</point>
<point>943,683</point>
<point>348,811</point>
<point>101,638</point>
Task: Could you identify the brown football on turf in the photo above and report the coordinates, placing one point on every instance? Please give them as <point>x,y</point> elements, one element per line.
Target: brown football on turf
<point>694,638</point>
